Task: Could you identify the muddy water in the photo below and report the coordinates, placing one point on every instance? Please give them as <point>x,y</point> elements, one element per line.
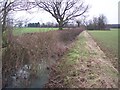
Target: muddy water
<point>43,74</point>
<point>24,74</point>
<point>43,77</point>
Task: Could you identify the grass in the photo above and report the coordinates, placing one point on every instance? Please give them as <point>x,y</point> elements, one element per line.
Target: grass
<point>80,64</point>
<point>79,56</point>
<point>76,52</point>
<point>108,42</point>
<point>19,31</point>
<point>70,59</point>
<point>108,39</point>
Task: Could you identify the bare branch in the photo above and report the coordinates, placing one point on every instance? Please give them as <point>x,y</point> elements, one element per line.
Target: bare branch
<point>63,10</point>
<point>8,6</point>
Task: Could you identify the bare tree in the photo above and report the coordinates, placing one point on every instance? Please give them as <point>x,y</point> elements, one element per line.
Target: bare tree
<point>97,23</point>
<point>81,21</point>
<point>0,33</point>
<point>8,6</point>
<point>63,10</point>
<point>102,21</point>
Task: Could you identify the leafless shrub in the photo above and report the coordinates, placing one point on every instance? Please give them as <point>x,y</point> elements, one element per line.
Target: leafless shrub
<point>33,49</point>
<point>69,35</point>
<point>13,57</point>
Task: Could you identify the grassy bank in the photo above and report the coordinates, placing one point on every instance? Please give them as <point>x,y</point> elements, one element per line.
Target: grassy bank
<point>108,42</point>
<point>64,72</point>
<point>81,68</point>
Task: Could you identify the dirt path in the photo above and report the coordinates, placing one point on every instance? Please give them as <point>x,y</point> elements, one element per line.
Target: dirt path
<point>99,72</point>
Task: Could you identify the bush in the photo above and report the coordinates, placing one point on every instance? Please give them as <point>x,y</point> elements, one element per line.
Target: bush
<point>69,35</point>
<point>13,57</point>
<point>33,49</point>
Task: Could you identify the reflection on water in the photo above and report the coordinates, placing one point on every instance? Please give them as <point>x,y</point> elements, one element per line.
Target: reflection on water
<point>22,78</point>
<point>43,76</point>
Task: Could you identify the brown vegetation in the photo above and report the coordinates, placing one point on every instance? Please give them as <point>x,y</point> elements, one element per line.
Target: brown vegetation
<point>85,65</point>
<point>32,49</point>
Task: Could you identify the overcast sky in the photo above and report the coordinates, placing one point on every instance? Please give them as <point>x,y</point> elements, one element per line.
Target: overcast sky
<point>107,7</point>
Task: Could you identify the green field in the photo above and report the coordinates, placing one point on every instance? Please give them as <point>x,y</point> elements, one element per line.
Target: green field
<point>19,31</point>
<point>107,40</point>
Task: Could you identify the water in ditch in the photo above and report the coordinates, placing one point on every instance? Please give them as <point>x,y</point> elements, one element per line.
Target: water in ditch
<point>24,73</point>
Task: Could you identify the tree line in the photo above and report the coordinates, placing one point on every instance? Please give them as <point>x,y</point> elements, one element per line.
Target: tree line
<point>34,25</point>
<point>97,23</point>
<point>62,10</point>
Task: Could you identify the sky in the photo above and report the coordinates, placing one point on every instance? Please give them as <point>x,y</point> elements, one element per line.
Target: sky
<point>107,7</point>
